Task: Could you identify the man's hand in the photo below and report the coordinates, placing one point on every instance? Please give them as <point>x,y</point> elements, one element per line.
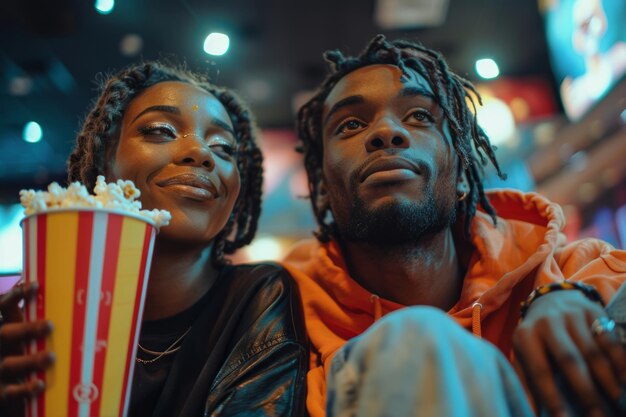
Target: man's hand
<point>15,366</point>
<point>555,338</point>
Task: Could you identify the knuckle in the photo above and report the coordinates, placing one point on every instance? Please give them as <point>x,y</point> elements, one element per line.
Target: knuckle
<point>520,336</point>
<point>568,359</point>
<point>592,354</point>
<point>542,374</point>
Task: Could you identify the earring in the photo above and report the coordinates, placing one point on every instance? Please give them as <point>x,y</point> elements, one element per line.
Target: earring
<point>461,195</point>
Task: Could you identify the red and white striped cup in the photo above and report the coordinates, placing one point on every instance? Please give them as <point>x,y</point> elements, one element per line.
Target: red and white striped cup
<point>92,267</point>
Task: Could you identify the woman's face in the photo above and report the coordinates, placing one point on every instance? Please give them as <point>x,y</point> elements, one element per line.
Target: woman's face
<point>177,144</point>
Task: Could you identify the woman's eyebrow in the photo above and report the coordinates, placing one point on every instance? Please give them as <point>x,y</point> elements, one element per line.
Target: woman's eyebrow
<point>159,108</point>
<point>223,125</point>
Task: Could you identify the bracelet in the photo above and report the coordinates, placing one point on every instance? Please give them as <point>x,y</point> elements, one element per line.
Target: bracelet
<point>588,291</point>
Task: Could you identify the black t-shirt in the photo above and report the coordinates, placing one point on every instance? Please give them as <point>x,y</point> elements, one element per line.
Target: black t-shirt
<point>158,335</point>
<point>245,354</point>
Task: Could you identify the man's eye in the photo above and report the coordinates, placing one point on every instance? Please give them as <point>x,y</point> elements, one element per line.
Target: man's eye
<point>349,126</point>
<point>422,116</point>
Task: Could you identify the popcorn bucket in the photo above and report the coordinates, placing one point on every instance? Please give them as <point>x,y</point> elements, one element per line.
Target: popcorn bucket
<point>92,266</point>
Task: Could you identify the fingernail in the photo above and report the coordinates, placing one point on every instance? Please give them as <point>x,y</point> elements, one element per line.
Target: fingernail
<point>49,326</point>
<point>39,386</point>
<point>52,357</point>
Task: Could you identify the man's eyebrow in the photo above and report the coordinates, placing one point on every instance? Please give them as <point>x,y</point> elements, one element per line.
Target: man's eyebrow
<point>411,91</point>
<point>342,103</point>
<point>159,108</point>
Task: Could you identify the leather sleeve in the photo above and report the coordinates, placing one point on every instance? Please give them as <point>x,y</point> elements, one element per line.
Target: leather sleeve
<point>266,372</point>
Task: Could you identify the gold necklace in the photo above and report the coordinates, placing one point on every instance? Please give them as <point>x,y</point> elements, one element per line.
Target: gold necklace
<point>170,350</point>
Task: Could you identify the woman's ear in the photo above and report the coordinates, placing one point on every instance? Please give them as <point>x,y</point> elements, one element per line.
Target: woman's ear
<point>109,167</point>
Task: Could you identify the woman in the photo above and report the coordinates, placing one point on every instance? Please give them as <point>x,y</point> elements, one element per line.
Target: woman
<point>216,339</point>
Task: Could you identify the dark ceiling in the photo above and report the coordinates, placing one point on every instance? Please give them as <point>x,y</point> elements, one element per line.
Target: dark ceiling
<point>51,52</point>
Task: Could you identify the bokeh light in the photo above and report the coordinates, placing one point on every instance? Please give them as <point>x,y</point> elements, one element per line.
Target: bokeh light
<point>487,68</point>
<point>32,132</point>
<point>104,6</point>
<point>216,44</point>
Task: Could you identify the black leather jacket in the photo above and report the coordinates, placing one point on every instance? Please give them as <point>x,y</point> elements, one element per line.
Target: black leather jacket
<point>246,353</point>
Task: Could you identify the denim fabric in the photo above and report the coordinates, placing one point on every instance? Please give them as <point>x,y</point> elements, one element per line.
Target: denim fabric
<point>617,311</point>
<point>419,362</point>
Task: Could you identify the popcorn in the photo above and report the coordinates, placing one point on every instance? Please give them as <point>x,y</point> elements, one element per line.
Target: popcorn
<point>121,195</point>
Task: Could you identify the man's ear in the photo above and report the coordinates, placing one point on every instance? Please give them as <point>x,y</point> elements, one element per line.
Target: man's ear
<point>321,202</point>
<point>462,185</point>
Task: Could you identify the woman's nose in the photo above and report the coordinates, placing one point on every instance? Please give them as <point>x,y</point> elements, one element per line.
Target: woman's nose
<point>194,151</point>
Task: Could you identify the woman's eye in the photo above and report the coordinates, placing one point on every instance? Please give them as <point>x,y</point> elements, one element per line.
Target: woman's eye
<point>223,148</point>
<point>162,131</point>
<point>227,149</point>
<point>350,126</point>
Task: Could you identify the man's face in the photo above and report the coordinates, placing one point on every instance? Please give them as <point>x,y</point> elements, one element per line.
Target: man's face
<point>390,173</point>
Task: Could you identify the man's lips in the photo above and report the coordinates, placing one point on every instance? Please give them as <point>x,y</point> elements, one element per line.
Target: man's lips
<point>197,185</point>
<point>401,167</point>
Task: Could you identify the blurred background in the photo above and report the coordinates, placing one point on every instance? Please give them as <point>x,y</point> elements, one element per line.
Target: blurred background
<point>551,73</point>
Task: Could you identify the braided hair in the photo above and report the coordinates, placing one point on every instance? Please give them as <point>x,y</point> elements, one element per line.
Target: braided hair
<point>97,141</point>
<point>452,93</point>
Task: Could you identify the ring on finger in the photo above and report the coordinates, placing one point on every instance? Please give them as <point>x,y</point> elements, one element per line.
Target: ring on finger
<point>602,325</point>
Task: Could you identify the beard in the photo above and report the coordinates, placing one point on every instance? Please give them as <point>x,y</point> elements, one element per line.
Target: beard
<point>399,223</point>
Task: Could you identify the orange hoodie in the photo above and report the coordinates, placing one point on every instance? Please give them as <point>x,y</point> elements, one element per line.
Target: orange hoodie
<point>524,250</point>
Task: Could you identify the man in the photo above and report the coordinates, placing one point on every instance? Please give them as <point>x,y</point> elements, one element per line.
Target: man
<point>393,154</point>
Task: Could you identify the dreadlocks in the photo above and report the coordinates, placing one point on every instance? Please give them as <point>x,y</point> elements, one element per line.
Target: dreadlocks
<point>98,139</point>
<point>451,93</point>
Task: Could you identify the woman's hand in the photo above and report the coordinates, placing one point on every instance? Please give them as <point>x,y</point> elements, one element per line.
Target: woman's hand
<point>555,339</point>
<point>15,366</point>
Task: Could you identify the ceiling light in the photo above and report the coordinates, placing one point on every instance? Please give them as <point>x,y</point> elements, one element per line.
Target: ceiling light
<point>487,68</point>
<point>216,44</point>
<point>32,132</point>
<point>104,6</point>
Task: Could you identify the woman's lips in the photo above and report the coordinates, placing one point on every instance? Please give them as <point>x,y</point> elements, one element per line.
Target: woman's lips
<point>196,187</point>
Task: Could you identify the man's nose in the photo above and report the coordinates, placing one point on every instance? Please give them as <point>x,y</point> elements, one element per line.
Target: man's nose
<point>388,133</point>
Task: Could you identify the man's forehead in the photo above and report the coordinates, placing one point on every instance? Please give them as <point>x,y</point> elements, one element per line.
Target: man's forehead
<point>372,78</point>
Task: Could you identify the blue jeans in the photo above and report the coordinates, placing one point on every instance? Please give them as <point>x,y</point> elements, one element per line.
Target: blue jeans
<point>617,311</point>
<point>419,362</point>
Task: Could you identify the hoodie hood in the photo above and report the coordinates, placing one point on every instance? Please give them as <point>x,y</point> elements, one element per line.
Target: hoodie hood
<point>528,231</point>
<point>523,250</point>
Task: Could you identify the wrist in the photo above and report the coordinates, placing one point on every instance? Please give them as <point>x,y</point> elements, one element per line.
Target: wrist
<point>587,290</point>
